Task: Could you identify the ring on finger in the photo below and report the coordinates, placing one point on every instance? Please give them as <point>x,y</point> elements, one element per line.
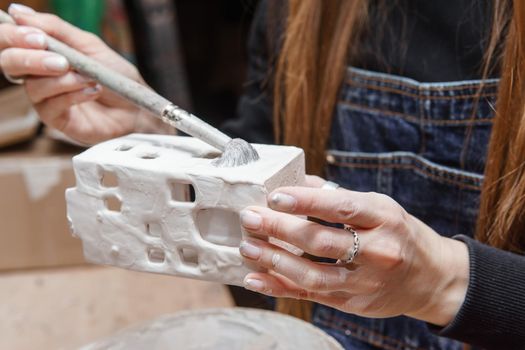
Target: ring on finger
<point>353,251</point>
<point>14,80</point>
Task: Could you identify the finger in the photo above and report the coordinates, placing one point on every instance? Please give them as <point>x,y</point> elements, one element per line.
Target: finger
<point>21,36</point>
<point>365,210</point>
<point>311,237</point>
<point>56,27</point>
<point>39,89</point>
<point>275,285</point>
<point>375,248</point>
<point>303,272</point>
<point>17,62</point>
<point>279,286</point>
<point>53,111</point>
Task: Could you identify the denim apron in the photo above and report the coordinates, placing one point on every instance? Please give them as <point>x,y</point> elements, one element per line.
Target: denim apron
<point>421,144</point>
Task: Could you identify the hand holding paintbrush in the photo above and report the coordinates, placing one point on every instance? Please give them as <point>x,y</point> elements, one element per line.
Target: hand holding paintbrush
<point>235,152</point>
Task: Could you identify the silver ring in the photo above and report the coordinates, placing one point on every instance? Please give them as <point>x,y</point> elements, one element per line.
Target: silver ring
<point>330,185</point>
<point>13,80</point>
<point>353,251</point>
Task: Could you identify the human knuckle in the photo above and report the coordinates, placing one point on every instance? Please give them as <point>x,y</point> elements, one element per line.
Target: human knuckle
<point>345,278</point>
<point>324,243</point>
<point>92,38</point>
<point>272,227</point>
<point>398,220</point>
<point>313,280</point>
<point>382,201</point>
<point>307,203</point>
<point>393,255</point>
<point>53,24</point>
<point>347,209</point>
<point>51,18</point>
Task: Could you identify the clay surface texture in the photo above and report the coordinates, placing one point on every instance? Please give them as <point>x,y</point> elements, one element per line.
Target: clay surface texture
<point>221,329</point>
<point>156,203</point>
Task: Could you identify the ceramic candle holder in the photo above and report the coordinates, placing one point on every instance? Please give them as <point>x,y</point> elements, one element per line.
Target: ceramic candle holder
<point>156,203</point>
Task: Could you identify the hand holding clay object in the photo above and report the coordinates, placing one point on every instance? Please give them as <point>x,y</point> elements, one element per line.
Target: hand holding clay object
<point>393,271</point>
<point>65,100</point>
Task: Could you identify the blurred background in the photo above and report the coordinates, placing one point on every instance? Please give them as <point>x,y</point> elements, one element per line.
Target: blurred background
<point>193,53</point>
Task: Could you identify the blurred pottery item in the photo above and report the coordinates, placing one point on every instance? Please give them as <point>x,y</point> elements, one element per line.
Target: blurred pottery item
<point>18,120</point>
<point>221,329</point>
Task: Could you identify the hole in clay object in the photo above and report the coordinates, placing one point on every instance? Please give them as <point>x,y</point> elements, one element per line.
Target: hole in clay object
<point>153,229</point>
<point>182,191</point>
<point>219,226</point>
<point>123,148</point>
<point>209,155</point>
<point>109,179</point>
<point>189,256</point>
<point>156,255</point>
<point>149,156</point>
<point>112,203</point>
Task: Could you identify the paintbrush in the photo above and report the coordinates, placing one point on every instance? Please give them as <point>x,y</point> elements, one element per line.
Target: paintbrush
<point>235,152</point>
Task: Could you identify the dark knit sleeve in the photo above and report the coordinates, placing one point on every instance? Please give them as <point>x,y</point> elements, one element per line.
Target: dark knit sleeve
<point>254,109</point>
<point>493,313</point>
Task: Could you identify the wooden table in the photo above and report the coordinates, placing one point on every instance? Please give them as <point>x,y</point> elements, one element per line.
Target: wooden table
<point>65,308</point>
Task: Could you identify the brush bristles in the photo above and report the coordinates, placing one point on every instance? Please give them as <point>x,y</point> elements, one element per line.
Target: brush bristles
<point>237,152</point>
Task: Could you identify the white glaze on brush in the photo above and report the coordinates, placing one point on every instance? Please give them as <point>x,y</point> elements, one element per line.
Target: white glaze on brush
<point>154,233</point>
<point>221,329</point>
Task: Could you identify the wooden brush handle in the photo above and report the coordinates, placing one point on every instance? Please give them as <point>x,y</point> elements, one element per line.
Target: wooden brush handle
<point>135,92</point>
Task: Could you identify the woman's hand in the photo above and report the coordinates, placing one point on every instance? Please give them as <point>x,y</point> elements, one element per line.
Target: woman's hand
<point>64,99</point>
<point>402,268</point>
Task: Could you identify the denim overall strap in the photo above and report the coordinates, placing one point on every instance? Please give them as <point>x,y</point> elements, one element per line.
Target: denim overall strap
<point>423,144</point>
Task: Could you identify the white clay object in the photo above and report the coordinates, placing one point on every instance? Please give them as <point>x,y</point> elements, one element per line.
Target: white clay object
<point>221,329</point>
<point>156,203</point>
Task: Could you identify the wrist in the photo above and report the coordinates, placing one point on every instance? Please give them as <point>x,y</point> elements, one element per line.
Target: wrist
<point>451,284</point>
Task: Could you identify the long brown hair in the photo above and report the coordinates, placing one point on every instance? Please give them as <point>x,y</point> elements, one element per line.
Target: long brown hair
<point>317,46</point>
<point>309,71</point>
<point>501,221</point>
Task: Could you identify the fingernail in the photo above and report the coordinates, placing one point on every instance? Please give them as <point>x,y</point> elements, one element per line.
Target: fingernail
<point>253,284</point>
<point>92,90</point>
<point>250,250</point>
<point>250,219</point>
<point>56,63</point>
<point>14,8</point>
<point>282,202</point>
<point>36,39</point>
<point>26,30</point>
